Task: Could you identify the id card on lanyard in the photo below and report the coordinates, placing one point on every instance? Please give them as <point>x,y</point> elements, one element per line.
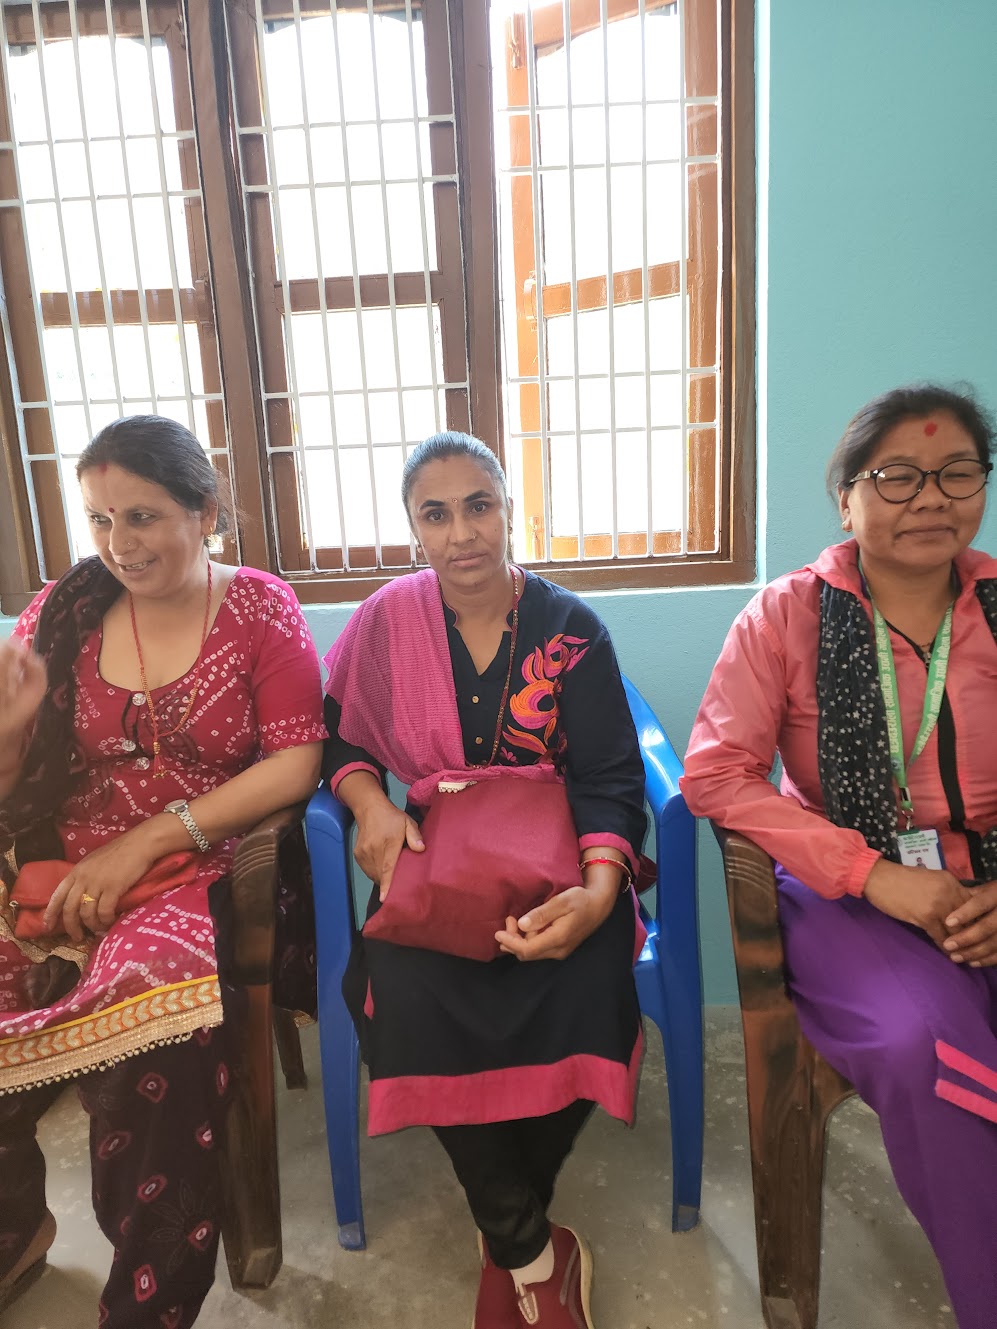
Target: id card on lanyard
<point>917,848</point>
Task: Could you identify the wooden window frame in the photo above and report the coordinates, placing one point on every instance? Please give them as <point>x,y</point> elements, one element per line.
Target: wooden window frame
<point>20,567</point>
<point>223,267</point>
<point>372,290</point>
<point>733,429</point>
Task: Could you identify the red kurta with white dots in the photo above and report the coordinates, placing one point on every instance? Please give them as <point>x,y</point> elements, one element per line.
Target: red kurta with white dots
<point>154,975</point>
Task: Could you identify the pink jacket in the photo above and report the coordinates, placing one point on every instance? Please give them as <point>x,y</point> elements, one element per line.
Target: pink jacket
<point>762,699</point>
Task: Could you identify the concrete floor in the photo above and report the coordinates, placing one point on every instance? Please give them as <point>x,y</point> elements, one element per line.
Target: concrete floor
<point>420,1270</point>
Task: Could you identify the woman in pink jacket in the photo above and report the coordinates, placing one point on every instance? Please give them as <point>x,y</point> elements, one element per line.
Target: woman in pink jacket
<point>873,673</point>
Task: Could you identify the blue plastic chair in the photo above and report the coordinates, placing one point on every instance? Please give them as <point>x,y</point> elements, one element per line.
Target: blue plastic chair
<point>667,976</point>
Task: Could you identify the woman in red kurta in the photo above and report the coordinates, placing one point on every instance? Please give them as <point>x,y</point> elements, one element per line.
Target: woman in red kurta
<point>187,694</point>
<point>890,941</point>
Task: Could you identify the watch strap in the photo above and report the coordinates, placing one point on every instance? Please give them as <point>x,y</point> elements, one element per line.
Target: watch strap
<point>182,811</point>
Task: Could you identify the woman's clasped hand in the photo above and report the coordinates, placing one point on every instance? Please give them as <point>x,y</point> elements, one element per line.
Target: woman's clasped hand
<point>960,919</point>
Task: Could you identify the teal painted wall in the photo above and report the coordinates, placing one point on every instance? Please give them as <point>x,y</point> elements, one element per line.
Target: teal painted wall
<point>877,264</point>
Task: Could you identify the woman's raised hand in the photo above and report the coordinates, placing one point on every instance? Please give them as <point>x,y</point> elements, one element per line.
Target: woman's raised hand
<point>925,897</point>
<point>22,686</point>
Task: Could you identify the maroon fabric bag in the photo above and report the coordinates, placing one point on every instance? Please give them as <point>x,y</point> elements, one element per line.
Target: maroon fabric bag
<point>495,846</point>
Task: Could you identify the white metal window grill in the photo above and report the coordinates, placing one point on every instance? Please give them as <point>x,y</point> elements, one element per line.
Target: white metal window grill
<point>103,241</point>
<point>348,159</point>
<point>607,133</point>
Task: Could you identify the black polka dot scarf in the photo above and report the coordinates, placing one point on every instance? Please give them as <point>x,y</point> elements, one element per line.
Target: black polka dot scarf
<point>853,751</point>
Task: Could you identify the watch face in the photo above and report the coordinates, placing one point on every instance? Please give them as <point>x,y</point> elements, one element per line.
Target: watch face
<point>175,806</point>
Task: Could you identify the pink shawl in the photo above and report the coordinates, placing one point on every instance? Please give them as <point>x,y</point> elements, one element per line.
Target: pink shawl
<point>390,671</point>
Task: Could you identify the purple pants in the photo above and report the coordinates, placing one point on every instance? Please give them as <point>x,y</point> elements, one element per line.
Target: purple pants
<point>917,1037</point>
<point>155,1123</point>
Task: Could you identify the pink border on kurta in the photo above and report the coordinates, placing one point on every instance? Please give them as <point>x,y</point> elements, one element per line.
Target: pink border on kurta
<point>503,1095</point>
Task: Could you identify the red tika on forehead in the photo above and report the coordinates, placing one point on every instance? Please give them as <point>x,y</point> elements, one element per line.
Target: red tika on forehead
<point>931,428</point>
<point>103,467</point>
<point>111,511</point>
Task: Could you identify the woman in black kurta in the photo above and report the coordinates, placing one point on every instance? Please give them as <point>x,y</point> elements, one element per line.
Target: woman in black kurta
<point>505,1059</point>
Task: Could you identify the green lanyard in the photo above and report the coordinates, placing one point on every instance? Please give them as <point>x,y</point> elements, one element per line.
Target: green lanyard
<point>935,690</point>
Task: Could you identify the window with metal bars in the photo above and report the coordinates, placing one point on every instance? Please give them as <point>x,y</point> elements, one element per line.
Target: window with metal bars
<point>307,228</point>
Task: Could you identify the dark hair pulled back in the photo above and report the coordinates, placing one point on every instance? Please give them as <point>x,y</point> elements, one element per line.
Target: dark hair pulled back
<point>164,452</point>
<point>867,427</point>
<point>451,443</point>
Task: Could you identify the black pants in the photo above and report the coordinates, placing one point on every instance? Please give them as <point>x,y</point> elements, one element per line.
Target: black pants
<point>508,1170</point>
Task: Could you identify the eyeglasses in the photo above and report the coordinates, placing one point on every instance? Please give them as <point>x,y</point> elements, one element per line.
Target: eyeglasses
<point>900,482</point>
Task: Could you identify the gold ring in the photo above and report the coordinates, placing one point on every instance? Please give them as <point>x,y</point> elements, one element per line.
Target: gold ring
<point>87,899</point>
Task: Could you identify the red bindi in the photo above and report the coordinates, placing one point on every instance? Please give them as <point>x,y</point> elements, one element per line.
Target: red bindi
<point>931,428</point>
<point>103,467</point>
<point>111,511</point>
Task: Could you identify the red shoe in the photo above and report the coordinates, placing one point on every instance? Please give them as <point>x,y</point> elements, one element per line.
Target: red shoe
<point>564,1301</point>
<point>496,1307</point>
<point>30,1266</point>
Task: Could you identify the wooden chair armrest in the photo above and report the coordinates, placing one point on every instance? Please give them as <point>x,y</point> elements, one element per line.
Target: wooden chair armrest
<point>254,891</point>
<point>753,901</point>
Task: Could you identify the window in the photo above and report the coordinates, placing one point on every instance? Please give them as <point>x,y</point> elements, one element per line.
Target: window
<point>107,306</point>
<point>313,232</point>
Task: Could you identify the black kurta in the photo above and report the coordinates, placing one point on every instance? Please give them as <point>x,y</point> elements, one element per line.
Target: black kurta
<point>451,1041</point>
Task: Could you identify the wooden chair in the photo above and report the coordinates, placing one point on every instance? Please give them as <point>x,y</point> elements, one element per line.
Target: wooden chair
<point>251,1231</point>
<point>792,1092</point>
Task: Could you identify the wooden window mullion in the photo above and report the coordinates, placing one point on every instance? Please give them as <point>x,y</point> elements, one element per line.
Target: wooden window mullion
<point>207,336</point>
<point>19,571</point>
<point>208,63</point>
<point>703,239</point>
<point>737,346</point>
<point>26,369</point>
<point>525,276</point>
<point>478,280</point>
<point>443,160</point>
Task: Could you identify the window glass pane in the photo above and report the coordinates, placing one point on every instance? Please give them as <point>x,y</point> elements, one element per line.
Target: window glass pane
<point>320,479</point>
<point>392,522</point>
<point>377,139</point>
<point>120,244</point>
<point>81,248</point>
<point>631,466</point>
<point>385,417</point>
<point>415,353</point>
<point>35,166</point>
<point>621,42</point>
<point>80,236</point>
<point>424,415</point>
<point>79,528</point>
<point>168,359</point>
<point>351,419</point>
<point>60,360</point>
<point>98,63</point>
<point>107,164</point>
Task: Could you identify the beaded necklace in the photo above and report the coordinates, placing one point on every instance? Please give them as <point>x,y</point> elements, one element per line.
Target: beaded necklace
<point>157,737</point>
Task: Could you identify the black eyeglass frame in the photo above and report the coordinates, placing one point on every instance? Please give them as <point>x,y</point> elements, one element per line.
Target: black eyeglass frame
<point>958,461</point>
